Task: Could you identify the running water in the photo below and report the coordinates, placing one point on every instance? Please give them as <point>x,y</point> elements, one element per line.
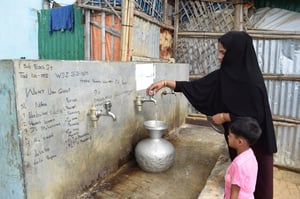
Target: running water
<point>156,115</point>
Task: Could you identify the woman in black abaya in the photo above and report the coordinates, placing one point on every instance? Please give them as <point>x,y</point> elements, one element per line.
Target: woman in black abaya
<point>236,89</point>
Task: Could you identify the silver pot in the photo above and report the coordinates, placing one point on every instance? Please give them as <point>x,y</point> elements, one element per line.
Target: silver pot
<point>155,154</point>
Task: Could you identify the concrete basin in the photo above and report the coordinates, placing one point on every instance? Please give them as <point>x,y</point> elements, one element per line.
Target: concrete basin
<point>197,151</point>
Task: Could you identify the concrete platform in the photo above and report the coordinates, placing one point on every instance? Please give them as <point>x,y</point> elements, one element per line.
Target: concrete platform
<point>214,187</point>
<point>198,172</point>
<point>197,149</point>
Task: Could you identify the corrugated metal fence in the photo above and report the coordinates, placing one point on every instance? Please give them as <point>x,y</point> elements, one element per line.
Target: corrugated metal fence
<point>64,45</point>
<point>282,57</point>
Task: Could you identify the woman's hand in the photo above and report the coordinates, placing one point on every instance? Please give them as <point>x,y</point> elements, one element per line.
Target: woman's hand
<point>221,118</point>
<point>155,87</point>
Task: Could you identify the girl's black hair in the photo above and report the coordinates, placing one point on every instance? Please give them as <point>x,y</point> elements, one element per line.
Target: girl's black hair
<point>247,128</point>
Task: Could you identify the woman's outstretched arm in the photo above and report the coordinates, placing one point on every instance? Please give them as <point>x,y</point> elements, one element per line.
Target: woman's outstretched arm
<point>156,86</point>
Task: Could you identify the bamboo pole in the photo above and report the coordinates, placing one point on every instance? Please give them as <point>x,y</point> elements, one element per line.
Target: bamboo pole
<point>281,77</point>
<point>277,120</point>
<point>285,124</point>
<point>176,24</point>
<point>191,34</point>
<point>165,11</point>
<point>127,30</point>
<point>254,34</point>
<point>153,7</point>
<point>153,20</point>
<point>286,119</point>
<point>266,76</point>
<point>112,41</point>
<point>124,35</point>
<point>130,27</point>
<point>112,8</point>
<point>110,30</point>
<point>103,36</point>
<point>238,16</point>
<point>87,34</point>
<point>273,32</point>
<point>138,13</point>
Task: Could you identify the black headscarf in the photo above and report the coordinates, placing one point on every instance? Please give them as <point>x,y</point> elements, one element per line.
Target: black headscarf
<point>237,87</point>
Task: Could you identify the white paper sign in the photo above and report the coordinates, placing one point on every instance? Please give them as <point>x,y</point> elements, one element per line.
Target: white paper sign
<point>144,75</point>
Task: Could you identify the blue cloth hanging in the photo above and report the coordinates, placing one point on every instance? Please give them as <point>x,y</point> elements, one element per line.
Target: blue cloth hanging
<point>61,18</point>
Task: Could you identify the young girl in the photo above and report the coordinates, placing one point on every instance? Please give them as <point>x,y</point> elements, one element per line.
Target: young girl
<point>240,178</point>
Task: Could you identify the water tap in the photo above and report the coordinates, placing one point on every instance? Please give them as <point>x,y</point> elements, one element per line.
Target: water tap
<point>107,112</point>
<point>168,93</point>
<point>95,114</point>
<point>139,100</point>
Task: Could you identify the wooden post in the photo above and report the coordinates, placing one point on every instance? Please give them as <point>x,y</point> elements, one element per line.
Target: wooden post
<point>165,11</point>
<point>87,35</point>
<point>124,34</point>
<point>103,50</point>
<point>238,15</point>
<point>130,28</point>
<point>175,34</point>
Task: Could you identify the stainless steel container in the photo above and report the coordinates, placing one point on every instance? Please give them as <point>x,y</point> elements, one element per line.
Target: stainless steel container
<point>155,154</point>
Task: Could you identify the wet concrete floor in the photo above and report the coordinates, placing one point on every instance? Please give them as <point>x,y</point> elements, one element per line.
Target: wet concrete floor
<point>197,149</point>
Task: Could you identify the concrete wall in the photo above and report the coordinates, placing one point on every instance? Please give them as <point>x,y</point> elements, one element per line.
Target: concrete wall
<point>49,148</point>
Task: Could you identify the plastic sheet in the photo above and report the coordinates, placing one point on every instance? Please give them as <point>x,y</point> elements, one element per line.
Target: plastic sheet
<point>276,19</point>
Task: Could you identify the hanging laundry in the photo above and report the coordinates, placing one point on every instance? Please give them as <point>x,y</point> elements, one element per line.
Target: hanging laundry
<point>61,19</point>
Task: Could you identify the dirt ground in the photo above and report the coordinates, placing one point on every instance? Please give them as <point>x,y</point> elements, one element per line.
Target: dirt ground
<point>286,184</point>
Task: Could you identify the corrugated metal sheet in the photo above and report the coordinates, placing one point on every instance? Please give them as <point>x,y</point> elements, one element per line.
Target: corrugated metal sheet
<point>288,142</point>
<point>278,56</point>
<point>151,7</point>
<point>144,41</point>
<point>282,57</point>
<point>112,41</point>
<point>275,19</point>
<point>61,45</point>
<point>284,97</point>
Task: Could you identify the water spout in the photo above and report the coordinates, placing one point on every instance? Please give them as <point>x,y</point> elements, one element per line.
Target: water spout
<point>139,101</point>
<point>95,114</point>
<point>106,113</point>
<point>149,100</point>
<point>107,107</point>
